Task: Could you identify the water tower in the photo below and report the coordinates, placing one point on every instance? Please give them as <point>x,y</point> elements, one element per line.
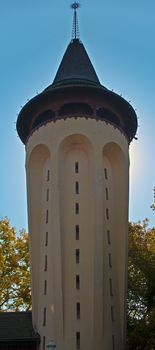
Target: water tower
<point>77,135</point>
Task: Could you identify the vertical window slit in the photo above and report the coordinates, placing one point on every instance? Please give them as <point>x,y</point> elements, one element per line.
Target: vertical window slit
<point>77,254</point>
<point>45,287</point>
<point>78,340</point>
<point>78,310</point>
<point>44,317</point>
<point>77,232</point>
<point>113,342</point>
<point>110,261</point>
<point>107,193</point>
<point>76,208</point>
<point>112,314</point>
<point>48,175</point>
<point>43,343</point>
<point>46,239</point>
<point>45,269</point>
<point>108,237</point>
<point>76,167</point>
<point>77,282</point>
<point>106,173</point>
<point>47,216</point>
<point>77,187</point>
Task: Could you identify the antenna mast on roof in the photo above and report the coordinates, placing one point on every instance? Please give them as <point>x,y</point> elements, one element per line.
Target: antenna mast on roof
<point>75,29</point>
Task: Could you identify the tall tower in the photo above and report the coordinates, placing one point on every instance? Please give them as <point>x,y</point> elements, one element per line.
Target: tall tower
<point>77,135</point>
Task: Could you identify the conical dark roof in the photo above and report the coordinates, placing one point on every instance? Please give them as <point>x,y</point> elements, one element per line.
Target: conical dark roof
<point>76,90</point>
<point>75,65</point>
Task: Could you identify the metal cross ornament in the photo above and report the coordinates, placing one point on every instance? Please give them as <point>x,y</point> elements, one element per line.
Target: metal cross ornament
<point>75,29</point>
<point>75,5</point>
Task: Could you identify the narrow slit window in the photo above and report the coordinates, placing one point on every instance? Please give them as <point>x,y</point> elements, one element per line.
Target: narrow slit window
<point>48,175</point>
<point>77,282</point>
<point>46,239</point>
<point>43,347</point>
<point>110,261</point>
<point>47,195</point>
<point>44,317</point>
<point>78,340</point>
<point>77,187</point>
<point>108,237</point>
<point>112,314</point>
<point>76,208</point>
<point>45,287</point>
<point>107,193</point>
<point>77,255</point>
<point>78,310</point>
<point>106,173</point>
<point>45,269</point>
<point>113,342</point>
<point>107,213</point>
<point>76,167</point>
<point>47,216</point>
<point>110,286</point>
<point>77,232</point>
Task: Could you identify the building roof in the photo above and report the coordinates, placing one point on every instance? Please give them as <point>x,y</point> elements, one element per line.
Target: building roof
<point>16,327</point>
<point>76,82</point>
<point>76,65</point>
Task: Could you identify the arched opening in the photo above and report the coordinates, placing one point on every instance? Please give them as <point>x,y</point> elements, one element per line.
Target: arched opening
<point>75,108</point>
<point>115,180</point>
<point>108,115</point>
<point>38,165</point>
<point>77,222</point>
<point>43,117</point>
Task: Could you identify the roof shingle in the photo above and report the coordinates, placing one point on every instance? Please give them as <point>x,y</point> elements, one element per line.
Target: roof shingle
<point>76,65</point>
<point>17,326</point>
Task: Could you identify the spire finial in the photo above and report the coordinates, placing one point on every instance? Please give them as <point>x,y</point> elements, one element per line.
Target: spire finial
<point>75,29</point>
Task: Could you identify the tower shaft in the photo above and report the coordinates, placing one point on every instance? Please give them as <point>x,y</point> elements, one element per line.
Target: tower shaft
<point>77,173</point>
<point>77,135</point>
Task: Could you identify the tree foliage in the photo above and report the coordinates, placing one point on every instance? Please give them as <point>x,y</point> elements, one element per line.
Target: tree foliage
<point>15,279</point>
<point>141,286</point>
<point>14,269</point>
<point>153,205</point>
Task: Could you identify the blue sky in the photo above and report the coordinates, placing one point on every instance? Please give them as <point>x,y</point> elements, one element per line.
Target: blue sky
<point>119,38</point>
